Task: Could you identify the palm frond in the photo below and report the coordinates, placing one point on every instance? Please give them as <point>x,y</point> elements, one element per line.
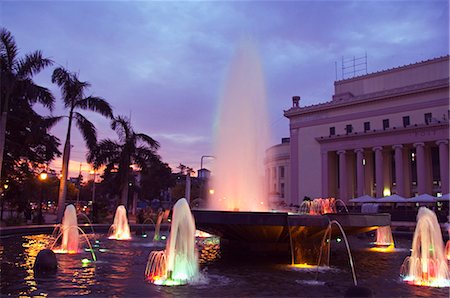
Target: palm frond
<point>96,104</point>
<point>34,93</point>
<point>64,79</point>
<point>87,129</point>
<point>105,152</point>
<point>32,64</point>
<point>49,122</point>
<point>8,49</point>
<point>144,156</point>
<point>61,76</point>
<point>122,126</point>
<point>147,139</point>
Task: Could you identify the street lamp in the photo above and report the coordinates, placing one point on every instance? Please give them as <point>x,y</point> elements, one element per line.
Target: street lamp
<point>93,172</point>
<point>42,176</point>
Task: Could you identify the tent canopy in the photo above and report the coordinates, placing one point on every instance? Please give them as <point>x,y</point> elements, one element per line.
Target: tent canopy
<point>363,199</point>
<point>392,199</point>
<point>423,198</point>
<point>445,197</point>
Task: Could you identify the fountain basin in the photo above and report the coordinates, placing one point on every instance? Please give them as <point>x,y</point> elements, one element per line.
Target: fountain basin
<point>274,226</point>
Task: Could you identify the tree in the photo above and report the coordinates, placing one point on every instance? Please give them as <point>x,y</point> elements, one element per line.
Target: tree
<point>73,95</point>
<point>16,82</point>
<point>156,178</point>
<point>132,148</point>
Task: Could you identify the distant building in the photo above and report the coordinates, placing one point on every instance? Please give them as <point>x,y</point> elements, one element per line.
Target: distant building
<point>204,174</point>
<point>277,167</point>
<point>382,133</point>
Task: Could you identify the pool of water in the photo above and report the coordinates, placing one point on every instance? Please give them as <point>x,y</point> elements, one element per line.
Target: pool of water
<point>120,266</point>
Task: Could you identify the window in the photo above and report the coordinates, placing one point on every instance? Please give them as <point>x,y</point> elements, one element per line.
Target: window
<point>348,128</point>
<point>332,131</point>
<point>281,169</point>
<point>282,190</point>
<point>427,117</point>
<point>366,126</point>
<point>406,121</point>
<point>274,172</point>
<point>385,123</point>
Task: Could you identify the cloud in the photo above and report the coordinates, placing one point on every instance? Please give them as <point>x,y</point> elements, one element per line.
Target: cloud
<point>164,63</point>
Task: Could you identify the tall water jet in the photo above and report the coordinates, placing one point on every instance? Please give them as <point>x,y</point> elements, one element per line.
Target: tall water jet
<point>242,136</point>
<point>120,230</point>
<point>69,230</point>
<point>427,265</point>
<point>178,264</point>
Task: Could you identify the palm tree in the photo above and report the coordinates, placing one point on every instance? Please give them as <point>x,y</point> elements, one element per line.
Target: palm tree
<point>16,82</point>
<point>132,148</point>
<point>72,90</point>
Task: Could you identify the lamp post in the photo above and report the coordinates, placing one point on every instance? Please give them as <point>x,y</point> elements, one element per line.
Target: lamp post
<point>93,172</point>
<point>42,176</point>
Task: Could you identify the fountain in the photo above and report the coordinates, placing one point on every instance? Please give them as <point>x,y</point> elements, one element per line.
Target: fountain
<point>120,230</point>
<point>242,135</point>
<point>427,265</point>
<point>70,233</point>
<point>384,237</point>
<point>178,264</point>
<point>238,209</point>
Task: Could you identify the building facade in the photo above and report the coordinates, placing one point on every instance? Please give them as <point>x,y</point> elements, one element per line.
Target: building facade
<point>277,167</point>
<point>382,133</point>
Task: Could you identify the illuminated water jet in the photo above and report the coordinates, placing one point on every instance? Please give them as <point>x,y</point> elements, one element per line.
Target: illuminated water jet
<point>384,237</point>
<point>69,232</point>
<point>242,134</point>
<point>427,265</point>
<point>178,264</point>
<point>321,206</point>
<point>120,230</point>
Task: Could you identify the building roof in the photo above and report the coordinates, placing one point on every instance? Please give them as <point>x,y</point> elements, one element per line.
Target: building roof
<point>349,99</point>
<point>402,67</point>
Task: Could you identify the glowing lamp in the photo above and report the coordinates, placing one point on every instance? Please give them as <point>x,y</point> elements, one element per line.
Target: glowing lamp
<point>43,175</point>
<point>386,192</point>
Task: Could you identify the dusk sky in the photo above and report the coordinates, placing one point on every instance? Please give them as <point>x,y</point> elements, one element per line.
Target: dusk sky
<point>165,63</point>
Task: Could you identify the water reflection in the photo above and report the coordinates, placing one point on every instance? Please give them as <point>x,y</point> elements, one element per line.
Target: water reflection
<point>119,272</point>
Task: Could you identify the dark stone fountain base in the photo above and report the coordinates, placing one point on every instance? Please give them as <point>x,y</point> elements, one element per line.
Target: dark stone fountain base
<point>276,232</point>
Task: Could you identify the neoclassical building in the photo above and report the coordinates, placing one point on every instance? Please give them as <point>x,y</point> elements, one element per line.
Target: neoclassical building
<point>382,133</point>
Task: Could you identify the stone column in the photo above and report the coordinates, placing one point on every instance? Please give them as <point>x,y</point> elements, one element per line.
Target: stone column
<point>443,164</point>
<point>420,162</point>
<point>379,175</point>
<point>342,175</point>
<point>294,167</point>
<point>325,175</point>
<point>399,177</point>
<point>359,172</point>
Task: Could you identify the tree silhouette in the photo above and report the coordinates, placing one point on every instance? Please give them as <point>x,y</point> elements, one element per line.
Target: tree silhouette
<point>16,82</point>
<point>132,148</point>
<point>73,96</point>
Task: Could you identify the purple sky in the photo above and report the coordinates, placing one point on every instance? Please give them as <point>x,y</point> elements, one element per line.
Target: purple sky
<point>165,63</point>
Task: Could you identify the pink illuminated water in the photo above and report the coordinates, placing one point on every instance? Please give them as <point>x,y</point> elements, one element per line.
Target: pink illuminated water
<point>178,264</point>
<point>320,206</point>
<point>384,236</point>
<point>242,135</point>
<point>427,265</point>
<point>120,230</point>
<point>69,230</point>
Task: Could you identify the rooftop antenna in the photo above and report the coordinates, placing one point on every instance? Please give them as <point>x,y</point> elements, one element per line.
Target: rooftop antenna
<point>352,67</point>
